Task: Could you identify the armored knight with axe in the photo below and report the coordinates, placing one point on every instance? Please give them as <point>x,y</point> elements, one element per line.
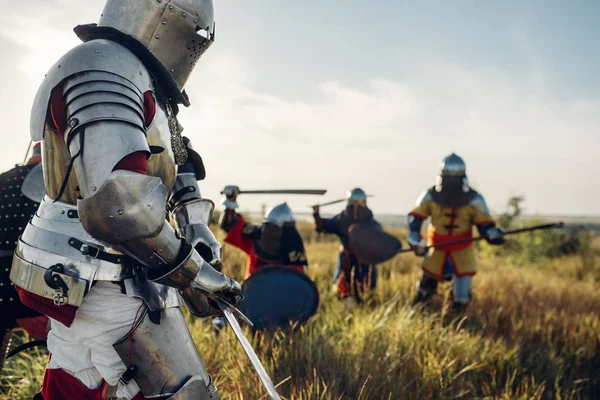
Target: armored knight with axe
<point>275,242</point>
<point>351,274</point>
<point>453,207</point>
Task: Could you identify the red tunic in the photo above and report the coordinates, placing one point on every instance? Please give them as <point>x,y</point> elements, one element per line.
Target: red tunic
<point>236,238</point>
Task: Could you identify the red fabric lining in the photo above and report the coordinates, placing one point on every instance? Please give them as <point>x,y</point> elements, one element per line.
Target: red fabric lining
<point>64,314</point>
<point>34,160</point>
<point>134,162</point>
<point>149,108</point>
<point>60,385</point>
<point>58,111</point>
<point>36,326</point>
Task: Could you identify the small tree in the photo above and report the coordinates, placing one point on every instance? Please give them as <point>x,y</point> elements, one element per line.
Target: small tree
<point>513,211</point>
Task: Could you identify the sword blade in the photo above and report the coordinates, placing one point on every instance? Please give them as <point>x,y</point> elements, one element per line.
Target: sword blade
<point>329,203</point>
<point>237,330</point>
<point>285,191</point>
<point>334,202</point>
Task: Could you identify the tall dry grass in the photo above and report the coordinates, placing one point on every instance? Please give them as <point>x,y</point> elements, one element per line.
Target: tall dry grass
<point>531,332</point>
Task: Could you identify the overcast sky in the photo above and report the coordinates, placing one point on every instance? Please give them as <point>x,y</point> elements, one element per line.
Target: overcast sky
<point>336,94</point>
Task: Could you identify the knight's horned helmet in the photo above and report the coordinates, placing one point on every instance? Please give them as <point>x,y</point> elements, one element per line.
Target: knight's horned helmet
<point>176,32</point>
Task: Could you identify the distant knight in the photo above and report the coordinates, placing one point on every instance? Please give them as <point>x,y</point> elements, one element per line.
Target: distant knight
<point>352,278</point>
<point>275,242</point>
<point>453,208</point>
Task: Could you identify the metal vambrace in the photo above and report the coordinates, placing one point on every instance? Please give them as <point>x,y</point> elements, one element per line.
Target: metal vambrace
<point>128,212</point>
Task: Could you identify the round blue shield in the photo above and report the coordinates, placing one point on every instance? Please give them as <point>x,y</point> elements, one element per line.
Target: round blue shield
<point>277,296</point>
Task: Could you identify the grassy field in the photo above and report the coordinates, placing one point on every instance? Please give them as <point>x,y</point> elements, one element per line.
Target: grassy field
<point>531,332</point>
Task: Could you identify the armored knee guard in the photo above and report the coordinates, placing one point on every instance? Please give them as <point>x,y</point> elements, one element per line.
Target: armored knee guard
<point>163,359</point>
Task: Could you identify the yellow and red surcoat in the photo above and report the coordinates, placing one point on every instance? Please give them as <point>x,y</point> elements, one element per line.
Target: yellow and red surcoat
<point>450,224</point>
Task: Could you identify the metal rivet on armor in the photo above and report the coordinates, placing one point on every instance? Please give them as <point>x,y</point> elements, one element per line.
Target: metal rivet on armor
<point>164,22</point>
<point>184,14</point>
<point>171,8</point>
<point>94,188</point>
<point>120,212</point>
<point>140,72</point>
<point>73,122</point>
<point>97,51</point>
<point>172,70</point>
<point>58,65</point>
<point>195,21</point>
<point>45,292</point>
<point>156,36</point>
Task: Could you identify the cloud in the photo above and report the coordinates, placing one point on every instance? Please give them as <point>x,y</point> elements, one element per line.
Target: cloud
<point>384,134</point>
<point>389,135</point>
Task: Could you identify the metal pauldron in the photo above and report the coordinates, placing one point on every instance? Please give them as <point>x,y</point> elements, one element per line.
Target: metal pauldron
<point>105,113</point>
<point>98,55</point>
<point>479,203</point>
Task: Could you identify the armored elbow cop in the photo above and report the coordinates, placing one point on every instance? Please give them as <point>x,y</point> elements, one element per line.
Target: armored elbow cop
<point>128,212</point>
<point>191,216</point>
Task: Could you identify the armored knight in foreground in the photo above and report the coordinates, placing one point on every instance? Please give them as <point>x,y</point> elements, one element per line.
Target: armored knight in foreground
<point>453,208</point>
<point>21,191</point>
<point>275,242</point>
<point>350,276</point>
<point>121,236</point>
